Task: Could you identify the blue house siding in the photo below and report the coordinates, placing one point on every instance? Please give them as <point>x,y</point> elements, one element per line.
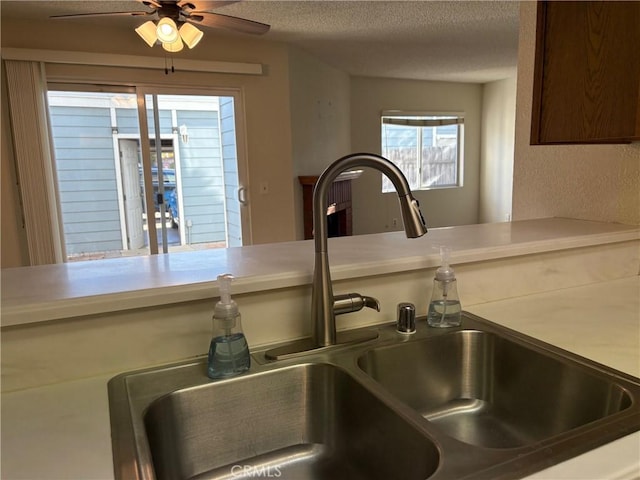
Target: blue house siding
<point>164,116</point>
<point>87,186</point>
<point>202,176</point>
<point>230,165</point>
<point>127,121</point>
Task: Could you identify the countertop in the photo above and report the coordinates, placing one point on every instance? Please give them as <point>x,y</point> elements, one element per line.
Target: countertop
<point>49,292</point>
<point>62,431</point>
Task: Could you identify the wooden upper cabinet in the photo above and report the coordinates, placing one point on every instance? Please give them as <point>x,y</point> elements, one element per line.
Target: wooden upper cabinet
<point>587,73</point>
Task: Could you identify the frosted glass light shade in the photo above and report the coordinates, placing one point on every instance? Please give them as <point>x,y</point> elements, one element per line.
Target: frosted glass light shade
<point>173,46</point>
<point>190,35</point>
<point>167,31</point>
<point>147,32</point>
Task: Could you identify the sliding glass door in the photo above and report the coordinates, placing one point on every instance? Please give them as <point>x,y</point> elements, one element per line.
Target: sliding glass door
<point>142,171</point>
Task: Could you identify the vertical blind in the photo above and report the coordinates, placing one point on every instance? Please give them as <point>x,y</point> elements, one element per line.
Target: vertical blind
<point>26,85</point>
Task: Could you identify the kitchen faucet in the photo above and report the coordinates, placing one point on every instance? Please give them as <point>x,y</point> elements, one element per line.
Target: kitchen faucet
<point>324,305</point>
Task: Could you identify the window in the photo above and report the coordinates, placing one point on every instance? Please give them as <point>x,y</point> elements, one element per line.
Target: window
<point>427,148</point>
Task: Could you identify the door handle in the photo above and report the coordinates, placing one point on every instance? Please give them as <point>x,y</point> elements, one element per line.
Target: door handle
<point>242,196</point>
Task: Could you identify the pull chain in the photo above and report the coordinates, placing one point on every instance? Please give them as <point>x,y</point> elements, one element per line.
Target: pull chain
<point>166,66</point>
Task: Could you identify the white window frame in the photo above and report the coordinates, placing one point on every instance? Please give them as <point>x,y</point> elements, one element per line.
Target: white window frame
<point>420,120</point>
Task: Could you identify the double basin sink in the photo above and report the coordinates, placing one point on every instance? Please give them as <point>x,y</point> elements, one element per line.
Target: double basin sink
<point>477,401</point>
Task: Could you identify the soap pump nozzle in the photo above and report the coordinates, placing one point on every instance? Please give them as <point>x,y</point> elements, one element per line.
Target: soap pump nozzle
<point>226,310</point>
<point>445,273</point>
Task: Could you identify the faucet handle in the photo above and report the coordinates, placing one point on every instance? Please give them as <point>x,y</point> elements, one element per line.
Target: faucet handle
<point>353,302</point>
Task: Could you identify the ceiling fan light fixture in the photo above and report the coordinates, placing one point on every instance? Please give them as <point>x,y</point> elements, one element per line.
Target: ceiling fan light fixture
<point>147,32</point>
<point>190,34</point>
<point>167,31</point>
<point>173,47</point>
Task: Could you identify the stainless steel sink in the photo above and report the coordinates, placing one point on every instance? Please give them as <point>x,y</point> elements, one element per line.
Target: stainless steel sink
<point>306,421</point>
<point>490,391</point>
<point>474,402</point>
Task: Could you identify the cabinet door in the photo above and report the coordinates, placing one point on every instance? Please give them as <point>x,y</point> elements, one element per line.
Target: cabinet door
<point>587,73</point>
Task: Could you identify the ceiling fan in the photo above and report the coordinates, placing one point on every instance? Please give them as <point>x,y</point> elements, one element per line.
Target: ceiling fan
<point>177,21</point>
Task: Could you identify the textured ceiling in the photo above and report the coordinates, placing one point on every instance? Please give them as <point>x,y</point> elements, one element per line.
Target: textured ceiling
<point>466,41</point>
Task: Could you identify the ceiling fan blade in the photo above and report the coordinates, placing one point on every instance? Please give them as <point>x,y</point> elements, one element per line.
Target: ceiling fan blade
<point>202,5</point>
<point>102,14</point>
<point>150,3</point>
<point>217,20</point>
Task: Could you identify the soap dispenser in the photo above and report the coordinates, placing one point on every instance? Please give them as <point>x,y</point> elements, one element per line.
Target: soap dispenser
<point>228,352</point>
<point>444,307</point>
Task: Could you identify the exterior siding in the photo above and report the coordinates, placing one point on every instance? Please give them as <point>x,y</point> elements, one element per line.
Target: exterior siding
<point>202,176</point>
<point>164,116</point>
<point>230,166</point>
<point>85,166</point>
<point>127,121</point>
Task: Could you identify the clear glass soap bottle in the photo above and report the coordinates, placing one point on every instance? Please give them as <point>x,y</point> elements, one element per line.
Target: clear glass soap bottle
<point>228,351</point>
<point>444,308</point>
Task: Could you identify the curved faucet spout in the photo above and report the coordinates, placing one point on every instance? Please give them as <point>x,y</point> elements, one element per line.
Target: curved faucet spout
<point>322,314</point>
<point>353,302</point>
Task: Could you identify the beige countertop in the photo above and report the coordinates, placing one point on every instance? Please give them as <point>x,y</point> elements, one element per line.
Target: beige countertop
<point>62,431</point>
<point>35,294</point>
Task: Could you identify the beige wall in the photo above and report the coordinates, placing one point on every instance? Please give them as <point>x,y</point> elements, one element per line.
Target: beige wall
<point>320,122</point>
<point>373,211</point>
<point>496,171</point>
<point>591,182</point>
<point>266,99</point>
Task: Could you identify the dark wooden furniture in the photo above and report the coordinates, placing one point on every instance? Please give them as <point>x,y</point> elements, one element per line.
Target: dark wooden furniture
<point>587,72</point>
<point>340,221</point>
